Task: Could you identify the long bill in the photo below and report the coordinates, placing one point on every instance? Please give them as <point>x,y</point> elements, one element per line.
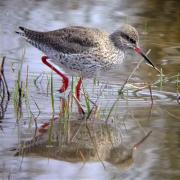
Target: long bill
<point>139,51</point>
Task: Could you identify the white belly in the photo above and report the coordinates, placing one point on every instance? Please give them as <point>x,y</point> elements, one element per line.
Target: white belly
<point>86,65</point>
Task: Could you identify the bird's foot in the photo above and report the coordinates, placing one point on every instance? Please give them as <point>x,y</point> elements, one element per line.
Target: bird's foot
<point>81,110</point>
<point>65,85</point>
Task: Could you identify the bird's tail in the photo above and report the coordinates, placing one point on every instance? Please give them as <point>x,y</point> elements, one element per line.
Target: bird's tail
<point>33,37</point>
<point>29,34</point>
<point>22,32</point>
<point>36,38</point>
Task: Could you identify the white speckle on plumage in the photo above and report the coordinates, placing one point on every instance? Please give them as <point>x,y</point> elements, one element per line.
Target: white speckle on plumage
<point>83,51</point>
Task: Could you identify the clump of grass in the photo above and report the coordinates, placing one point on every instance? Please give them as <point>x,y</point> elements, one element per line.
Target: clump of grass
<point>21,95</point>
<point>31,115</point>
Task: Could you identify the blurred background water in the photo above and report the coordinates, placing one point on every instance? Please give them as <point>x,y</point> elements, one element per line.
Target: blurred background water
<point>158,23</point>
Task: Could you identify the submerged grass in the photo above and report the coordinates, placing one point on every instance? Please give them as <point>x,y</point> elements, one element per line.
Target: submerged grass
<point>37,78</point>
<point>161,79</point>
<point>53,112</point>
<point>120,92</point>
<point>87,101</point>
<point>18,92</point>
<point>21,91</point>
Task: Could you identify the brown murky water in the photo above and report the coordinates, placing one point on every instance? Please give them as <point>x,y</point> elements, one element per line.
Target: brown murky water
<point>158,23</point>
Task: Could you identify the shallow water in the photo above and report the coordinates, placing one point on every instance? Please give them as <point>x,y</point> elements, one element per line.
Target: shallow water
<point>158,23</point>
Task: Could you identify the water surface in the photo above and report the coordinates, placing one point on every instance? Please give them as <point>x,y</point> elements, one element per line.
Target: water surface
<point>158,23</point>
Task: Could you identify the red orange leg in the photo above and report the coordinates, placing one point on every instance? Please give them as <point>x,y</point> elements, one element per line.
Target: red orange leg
<point>65,79</point>
<point>78,89</point>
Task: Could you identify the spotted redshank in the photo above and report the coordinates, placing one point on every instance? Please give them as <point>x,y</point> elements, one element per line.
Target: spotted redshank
<point>83,51</point>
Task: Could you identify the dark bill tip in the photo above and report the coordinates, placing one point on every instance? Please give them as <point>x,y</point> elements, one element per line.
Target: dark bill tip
<point>139,51</point>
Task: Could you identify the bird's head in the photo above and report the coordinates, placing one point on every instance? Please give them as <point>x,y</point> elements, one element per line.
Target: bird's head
<point>127,38</point>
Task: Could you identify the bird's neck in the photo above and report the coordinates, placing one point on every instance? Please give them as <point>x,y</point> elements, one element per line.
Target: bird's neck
<point>117,40</point>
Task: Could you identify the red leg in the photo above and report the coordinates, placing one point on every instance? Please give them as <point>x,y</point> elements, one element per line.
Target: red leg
<point>65,79</point>
<point>78,89</point>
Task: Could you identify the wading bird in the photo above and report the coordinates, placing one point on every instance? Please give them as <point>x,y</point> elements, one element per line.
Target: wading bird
<point>83,51</point>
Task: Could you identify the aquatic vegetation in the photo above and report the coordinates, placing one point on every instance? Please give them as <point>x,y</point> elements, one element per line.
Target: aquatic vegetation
<point>89,109</point>
<point>82,140</point>
<point>53,111</point>
<point>18,92</point>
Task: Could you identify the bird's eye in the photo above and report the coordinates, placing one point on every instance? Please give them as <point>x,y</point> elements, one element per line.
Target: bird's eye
<point>125,36</point>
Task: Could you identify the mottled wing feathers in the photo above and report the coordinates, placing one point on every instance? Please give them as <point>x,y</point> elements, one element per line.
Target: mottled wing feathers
<point>74,39</point>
